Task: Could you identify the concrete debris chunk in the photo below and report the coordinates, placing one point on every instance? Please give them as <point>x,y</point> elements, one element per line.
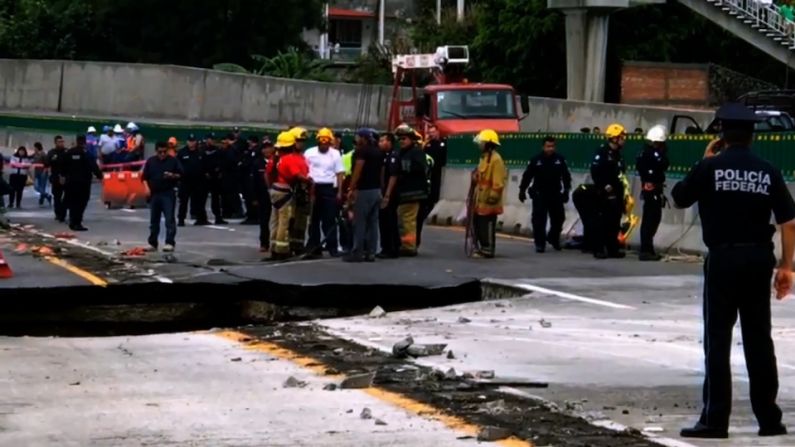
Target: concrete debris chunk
<point>400,349</point>
<point>292,382</point>
<point>574,405</point>
<point>380,422</point>
<point>450,355</point>
<point>366,413</point>
<point>495,407</point>
<point>653,429</point>
<point>484,374</point>
<point>338,351</point>
<point>236,359</point>
<point>330,387</point>
<point>493,434</point>
<point>464,320</point>
<point>358,381</point>
<point>418,350</point>
<point>74,384</point>
<point>545,324</point>
<point>450,374</point>
<point>377,312</point>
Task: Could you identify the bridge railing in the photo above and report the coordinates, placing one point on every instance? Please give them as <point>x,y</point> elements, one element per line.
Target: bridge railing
<point>766,18</point>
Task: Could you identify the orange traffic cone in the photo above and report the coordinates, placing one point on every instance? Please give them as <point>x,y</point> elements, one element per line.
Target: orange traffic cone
<point>5,269</point>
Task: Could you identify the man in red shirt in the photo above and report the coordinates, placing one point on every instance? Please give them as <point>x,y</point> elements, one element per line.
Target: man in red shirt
<point>286,171</point>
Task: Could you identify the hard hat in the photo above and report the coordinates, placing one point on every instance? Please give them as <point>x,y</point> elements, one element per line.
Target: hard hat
<point>118,129</point>
<point>488,136</point>
<point>285,139</point>
<point>325,133</point>
<point>657,134</point>
<point>299,133</point>
<point>91,129</point>
<point>132,126</point>
<point>172,141</point>
<point>615,130</point>
<point>404,130</point>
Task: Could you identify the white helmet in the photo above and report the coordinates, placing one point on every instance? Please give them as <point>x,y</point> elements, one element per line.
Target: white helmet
<point>657,134</point>
<point>91,129</point>
<point>118,129</point>
<point>131,126</point>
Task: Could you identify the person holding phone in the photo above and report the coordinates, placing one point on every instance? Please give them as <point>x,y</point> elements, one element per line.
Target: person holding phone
<point>737,192</point>
<point>161,177</point>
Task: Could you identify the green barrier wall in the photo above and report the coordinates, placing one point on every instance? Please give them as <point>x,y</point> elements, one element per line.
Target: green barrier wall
<point>683,150</point>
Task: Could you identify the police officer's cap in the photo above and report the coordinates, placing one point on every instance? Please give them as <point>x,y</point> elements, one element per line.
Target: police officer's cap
<point>736,112</point>
<point>191,137</point>
<point>210,136</point>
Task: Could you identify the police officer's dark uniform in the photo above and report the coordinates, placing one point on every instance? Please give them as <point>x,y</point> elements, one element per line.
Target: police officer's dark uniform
<point>230,180</point>
<point>736,192</point>
<point>551,183</point>
<point>56,158</point>
<point>262,198</point>
<point>651,165</point>
<point>248,151</point>
<point>212,171</point>
<point>79,167</point>
<point>437,150</point>
<point>586,200</point>
<point>606,170</point>
<point>388,216</point>
<point>192,184</point>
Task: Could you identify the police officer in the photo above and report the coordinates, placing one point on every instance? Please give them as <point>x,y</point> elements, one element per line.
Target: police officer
<point>607,168</point>
<point>388,215</point>
<point>651,165</point>
<point>78,169</point>
<point>192,187</point>
<point>248,151</point>
<point>262,199</point>
<point>737,192</point>
<point>551,183</point>
<point>436,149</point>
<point>586,199</point>
<point>56,158</point>
<point>213,164</point>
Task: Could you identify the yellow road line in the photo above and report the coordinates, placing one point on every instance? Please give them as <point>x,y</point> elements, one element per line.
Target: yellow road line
<point>88,276</point>
<point>398,400</point>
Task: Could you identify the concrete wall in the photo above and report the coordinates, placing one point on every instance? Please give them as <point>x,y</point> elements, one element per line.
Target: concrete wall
<point>182,93</point>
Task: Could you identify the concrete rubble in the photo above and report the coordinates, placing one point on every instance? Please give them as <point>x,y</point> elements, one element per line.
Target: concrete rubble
<point>366,414</point>
<point>377,312</point>
<point>493,434</point>
<point>358,381</point>
<point>292,382</point>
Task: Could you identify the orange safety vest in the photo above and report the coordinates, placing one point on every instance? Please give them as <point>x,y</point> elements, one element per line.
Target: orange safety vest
<point>130,143</point>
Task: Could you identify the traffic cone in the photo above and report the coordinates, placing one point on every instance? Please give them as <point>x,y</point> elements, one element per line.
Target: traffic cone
<point>5,269</point>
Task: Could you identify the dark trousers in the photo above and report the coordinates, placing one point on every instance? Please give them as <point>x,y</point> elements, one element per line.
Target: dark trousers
<point>586,204</point>
<point>426,206</point>
<point>608,224</point>
<point>365,225</point>
<point>547,207</point>
<point>216,191</point>
<point>230,197</point>
<point>5,188</point>
<point>390,233</point>
<point>652,215</point>
<point>249,196</point>
<point>737,280</point>
<point>486,232</point>
<point>162,205</point>
<point>18,182</point>
<point>264,209</point>
<point>324,212</point>
<point>192,192</point>
<point>58,199</point>
<point>76,197</point>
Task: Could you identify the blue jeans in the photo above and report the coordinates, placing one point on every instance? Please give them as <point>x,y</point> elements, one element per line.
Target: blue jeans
<point>162,203</point>
<point>40,185</point>
<point>365,222</point>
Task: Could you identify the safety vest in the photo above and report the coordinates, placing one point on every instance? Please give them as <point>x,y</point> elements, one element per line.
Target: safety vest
<point>347,163</point>
<point>131,143</point>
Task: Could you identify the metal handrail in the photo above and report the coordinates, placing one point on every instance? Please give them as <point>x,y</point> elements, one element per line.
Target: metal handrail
<point>764,17</point>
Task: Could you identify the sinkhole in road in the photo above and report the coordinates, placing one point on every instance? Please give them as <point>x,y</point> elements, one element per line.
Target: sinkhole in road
<point>150,308</point>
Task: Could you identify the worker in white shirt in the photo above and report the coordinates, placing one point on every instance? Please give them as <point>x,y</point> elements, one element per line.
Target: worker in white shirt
<point>326,171</point>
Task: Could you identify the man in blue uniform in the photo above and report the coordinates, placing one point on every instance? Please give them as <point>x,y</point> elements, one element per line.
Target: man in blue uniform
<point>551,183</point>
<point>737,192</point>
<point>651,166</point>
<point>607,168</point>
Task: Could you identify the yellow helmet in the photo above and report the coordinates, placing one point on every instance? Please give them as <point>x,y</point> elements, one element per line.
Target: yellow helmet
<point>404,130</point>
<point>285,139</point>
<point>488,136</point>
<point>299,133</point>
<point>325,133</point>
<point>615,130</point>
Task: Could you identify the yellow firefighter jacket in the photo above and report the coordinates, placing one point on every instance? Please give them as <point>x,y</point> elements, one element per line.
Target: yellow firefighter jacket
<point>490,177</point>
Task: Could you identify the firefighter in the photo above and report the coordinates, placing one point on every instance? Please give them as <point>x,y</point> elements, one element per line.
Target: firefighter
<point>551,183</point>
<point>737,192</point>
<point>412,188</point>
<point>607,169</point>
<point>651,166</point>
<point>302,198</point>
<point>78,168</point>
<point>489,178</point>
<point>286,171</point>
<point>192,184</point>
<point>213,173</point>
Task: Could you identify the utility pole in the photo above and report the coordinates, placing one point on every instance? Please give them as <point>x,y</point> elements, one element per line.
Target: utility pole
<point>381,22</point>
<point>460,11</point>
<point>438,12</point>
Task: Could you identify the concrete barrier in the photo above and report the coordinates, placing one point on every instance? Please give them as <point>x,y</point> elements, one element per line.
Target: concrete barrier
<point>183,93</point>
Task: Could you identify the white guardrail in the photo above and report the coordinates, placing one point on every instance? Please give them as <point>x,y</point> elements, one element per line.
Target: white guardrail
<point>762,16</point>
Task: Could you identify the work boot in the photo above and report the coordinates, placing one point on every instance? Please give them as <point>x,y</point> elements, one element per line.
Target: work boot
<point>369,258</point>
<point>556,245</point>
<point>181,223</point>
<point>704,432</point>
<point>168,248</point>
<point>220,221</point>
<point>776,430</point>
<point>645,256</point>
<point>78,228</point>
<point>540,249</point>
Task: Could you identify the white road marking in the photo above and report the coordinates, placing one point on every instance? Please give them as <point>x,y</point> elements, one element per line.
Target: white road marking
<point>127,210</point>
<point>218,227</point>
<point>564,295</point>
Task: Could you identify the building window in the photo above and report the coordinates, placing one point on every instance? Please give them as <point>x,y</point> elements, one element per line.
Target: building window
<point>346,33</point>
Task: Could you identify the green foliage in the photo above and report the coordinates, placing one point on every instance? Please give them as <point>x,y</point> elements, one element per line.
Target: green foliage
<point>293,63</point>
